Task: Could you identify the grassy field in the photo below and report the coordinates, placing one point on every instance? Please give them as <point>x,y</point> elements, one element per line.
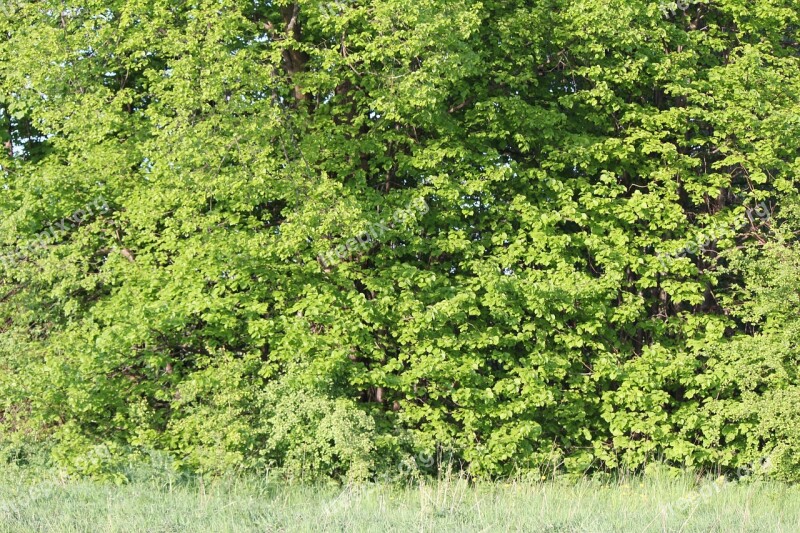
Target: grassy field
<point>678,505</point>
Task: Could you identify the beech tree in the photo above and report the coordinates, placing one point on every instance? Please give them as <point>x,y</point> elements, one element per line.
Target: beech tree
<point>569,297</point>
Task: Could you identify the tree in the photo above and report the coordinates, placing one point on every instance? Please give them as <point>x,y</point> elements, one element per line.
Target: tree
<point>539,308</point>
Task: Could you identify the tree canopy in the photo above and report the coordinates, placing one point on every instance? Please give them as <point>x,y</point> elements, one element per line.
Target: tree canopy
<point>323,236</point>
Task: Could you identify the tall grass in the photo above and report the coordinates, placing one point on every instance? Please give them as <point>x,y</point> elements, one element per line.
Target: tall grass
<point>453,504</point>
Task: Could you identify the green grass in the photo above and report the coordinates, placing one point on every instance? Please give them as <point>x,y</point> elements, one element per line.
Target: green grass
<point>455,505</point>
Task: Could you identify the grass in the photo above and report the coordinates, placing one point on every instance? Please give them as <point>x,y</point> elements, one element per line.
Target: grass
<point>240,505</point>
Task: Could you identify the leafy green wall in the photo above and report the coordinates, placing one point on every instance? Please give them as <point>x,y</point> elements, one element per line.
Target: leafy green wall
<point>525,318</point>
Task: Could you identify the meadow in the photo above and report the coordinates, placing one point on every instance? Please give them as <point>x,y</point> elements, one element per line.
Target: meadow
<point>633,504</point>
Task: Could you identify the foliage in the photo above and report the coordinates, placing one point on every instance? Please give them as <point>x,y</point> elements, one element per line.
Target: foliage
<point>527,317</point>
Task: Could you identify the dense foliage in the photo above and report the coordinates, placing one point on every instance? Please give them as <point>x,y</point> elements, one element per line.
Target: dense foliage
<point>327,236</point>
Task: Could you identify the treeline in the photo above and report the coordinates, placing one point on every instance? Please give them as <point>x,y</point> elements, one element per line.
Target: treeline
<point>595,266</point>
